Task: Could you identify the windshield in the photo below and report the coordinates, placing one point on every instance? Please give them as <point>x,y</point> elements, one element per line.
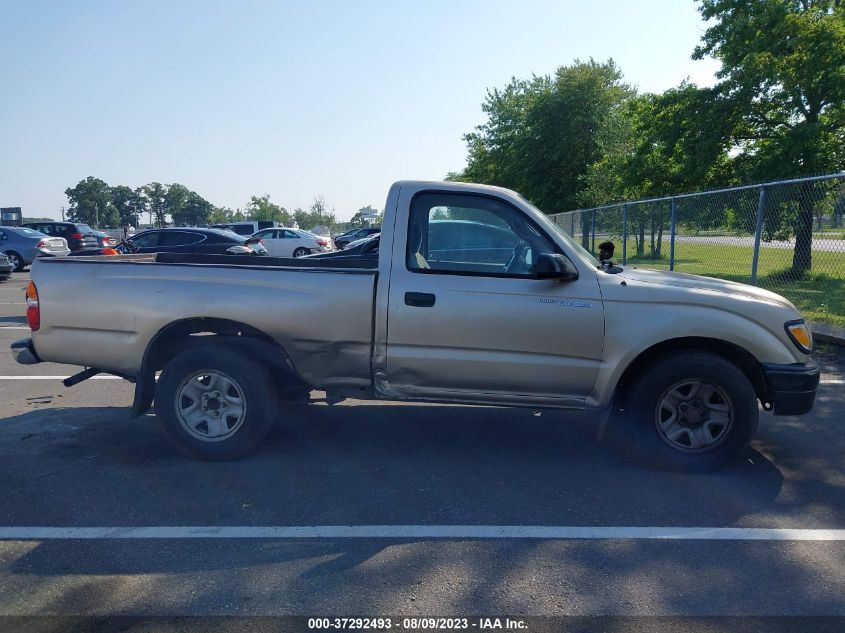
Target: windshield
<point>558,230</point>
<point>84,228</point>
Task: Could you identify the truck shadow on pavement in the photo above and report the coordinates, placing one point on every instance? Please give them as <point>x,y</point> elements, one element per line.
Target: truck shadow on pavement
<point>370,464</point>
<point>386,464</point>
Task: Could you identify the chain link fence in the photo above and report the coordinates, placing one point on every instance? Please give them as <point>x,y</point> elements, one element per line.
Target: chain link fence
<point>786,236</point>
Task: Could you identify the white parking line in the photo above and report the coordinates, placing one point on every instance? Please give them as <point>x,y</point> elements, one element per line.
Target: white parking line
<point>14,533</point>
<point>14,327</point>
<point>56,377</point>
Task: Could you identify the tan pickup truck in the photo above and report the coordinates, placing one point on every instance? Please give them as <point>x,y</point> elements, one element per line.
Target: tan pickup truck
<point>470,294</point>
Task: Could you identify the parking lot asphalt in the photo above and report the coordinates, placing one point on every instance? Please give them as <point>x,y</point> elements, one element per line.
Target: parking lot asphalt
<point>72,458</point>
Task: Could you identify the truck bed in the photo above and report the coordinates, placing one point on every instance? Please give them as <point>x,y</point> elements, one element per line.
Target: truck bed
<point>321,315</point>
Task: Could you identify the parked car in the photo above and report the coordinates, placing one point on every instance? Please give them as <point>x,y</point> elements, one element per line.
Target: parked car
<point>77,236</point>
<point>343,240</point>
<point>184,240</point>
<point>284,242</point>
<point>6,267</point>
<point>678,365</point>
<point>105,240</point>
<point>356,243</point>
<point>363,252</point>
<point>22,245</point>
<point>247,227</point>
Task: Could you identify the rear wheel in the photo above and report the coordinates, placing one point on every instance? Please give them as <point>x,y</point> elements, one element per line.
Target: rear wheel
<point>688,412</point>
<point>216,403</point>
<point>299,252</point>
<point>15,260</point>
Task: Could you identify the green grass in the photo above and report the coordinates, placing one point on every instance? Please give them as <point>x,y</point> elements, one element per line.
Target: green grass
<point>820,295</point>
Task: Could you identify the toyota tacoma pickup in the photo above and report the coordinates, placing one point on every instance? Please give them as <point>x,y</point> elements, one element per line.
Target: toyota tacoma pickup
<point>470,295</point>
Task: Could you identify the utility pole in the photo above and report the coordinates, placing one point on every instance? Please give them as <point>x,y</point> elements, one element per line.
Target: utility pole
<point>63,213</point>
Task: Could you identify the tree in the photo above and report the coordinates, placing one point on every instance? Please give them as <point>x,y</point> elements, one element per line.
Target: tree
<point>260,208</point>
<point>366,216</point>
<point>220,215</point>
<point>90,202</point>
<point>129,203</point>
<point>175,200</point>
<point>156,194</point>
<point>316,215</point>
<point>194,210</point>
<point>542,134</point>
<point>782,64</point>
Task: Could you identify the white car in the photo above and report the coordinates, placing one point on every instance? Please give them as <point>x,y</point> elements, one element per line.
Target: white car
<point>284,242</point>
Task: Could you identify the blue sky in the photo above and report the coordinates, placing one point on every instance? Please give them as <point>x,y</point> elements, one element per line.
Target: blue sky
<point>294,99</point>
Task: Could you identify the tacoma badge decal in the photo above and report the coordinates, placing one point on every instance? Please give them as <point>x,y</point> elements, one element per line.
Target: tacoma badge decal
<point>567,303</point>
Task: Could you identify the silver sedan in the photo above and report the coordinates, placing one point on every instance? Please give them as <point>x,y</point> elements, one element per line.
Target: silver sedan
<point>23,245</point>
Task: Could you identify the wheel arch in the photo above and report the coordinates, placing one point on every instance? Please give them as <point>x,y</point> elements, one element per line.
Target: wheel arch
<point>740,357</point>
<point>184,334</point>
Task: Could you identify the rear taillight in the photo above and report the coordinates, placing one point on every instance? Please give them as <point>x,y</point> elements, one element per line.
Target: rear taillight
<point>239,249</point>
<point>322,242</point>
<point>33,311</point>
<point>41,244</point>
<point>76,236</point>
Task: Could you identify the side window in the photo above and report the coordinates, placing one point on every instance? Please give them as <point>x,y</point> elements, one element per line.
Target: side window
<point>3,235</point>
<point>146,240</point>
<point>179,238</point>
<point>290,235</point>
<point>468,234</point>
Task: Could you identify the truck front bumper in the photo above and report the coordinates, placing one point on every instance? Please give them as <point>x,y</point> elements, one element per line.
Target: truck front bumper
<point>792,388</point>
<point>24,352</point>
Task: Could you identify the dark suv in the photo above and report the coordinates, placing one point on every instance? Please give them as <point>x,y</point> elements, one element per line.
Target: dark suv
<point>78,236</point>
<point>350,236</point>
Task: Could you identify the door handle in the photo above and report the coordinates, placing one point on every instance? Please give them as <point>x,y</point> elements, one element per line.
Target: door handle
<point>419,299</point>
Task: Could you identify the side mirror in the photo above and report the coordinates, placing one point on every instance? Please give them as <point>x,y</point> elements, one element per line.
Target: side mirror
<point>555,266</point>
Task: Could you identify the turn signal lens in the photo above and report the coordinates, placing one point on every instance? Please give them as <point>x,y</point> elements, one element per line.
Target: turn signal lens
<point>33,311</point>
<point>799,333</point>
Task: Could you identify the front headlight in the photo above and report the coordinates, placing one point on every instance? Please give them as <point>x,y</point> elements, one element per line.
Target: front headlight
<point>799,334</point>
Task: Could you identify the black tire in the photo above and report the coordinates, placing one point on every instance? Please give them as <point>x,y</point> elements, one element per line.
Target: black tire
<point>253,384</point>
<point>16,260</point>
<point>641,427</point>
<point>300,252</point>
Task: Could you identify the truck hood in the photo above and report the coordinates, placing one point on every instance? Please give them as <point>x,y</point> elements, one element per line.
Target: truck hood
<point>712,284</point>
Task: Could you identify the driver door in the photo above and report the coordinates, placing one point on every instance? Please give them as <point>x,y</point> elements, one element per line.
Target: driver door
<point>467,319</point>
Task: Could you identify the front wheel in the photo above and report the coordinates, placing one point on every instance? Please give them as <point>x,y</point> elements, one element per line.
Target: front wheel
<point>216,403</point>
<point>688,412</point>
<point>15,260</point>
